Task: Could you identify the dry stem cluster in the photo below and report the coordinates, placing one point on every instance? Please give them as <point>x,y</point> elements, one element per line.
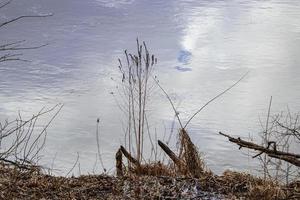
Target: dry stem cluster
<point>20,140</point>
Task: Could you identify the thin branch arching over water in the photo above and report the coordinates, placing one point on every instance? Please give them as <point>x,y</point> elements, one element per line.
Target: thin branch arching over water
<point>211,100</point>
<point>199,110</point>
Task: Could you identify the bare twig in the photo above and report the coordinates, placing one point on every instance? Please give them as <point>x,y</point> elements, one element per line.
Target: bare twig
<point>8,49</point>
<point>211,100</point>
<point>5,4</point>
<point>171,102</point>
<point>98,145</point>
<point>24,147</point>
<point>74,165</point>
<point>135,84</point>
<point>22,17</point>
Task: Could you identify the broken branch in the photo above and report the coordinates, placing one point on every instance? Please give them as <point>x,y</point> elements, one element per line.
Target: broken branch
<point>288,157</point>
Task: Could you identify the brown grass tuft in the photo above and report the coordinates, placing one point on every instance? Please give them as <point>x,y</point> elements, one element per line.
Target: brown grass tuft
<point>191,156</point>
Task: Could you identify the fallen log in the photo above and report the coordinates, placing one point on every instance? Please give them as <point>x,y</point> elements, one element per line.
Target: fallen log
<point>289,159</point>
<point>274,153</point>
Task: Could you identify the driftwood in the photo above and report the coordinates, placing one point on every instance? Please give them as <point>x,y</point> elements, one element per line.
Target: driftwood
<point>272,152</point>
<point>119,163</point>
<point>170,153</point>
<point>189,161</point>
<point>173,156</point>
<point>129,157</point>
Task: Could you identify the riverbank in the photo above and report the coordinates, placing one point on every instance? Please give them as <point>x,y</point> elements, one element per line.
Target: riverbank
<point>16,183</point>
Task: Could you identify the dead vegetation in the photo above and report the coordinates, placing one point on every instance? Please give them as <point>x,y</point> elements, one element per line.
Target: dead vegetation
<point>277,151</point>
<point>270,150</point>
<point>137,82</point>
<point>16,183</point>
<point>184,177</point>
<point>188,178</point>
<point>187,165</point>
<point>32,184</point>
<point>21,142</point>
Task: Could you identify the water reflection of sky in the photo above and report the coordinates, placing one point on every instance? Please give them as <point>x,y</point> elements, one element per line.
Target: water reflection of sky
<point>202,48</point>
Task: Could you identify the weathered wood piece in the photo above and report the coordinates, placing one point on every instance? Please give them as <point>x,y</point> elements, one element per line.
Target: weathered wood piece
<point>129,157</point>
<point>170,153</point>
<point>274,153</point>
<point>119,166</point>
<point>180,164</point>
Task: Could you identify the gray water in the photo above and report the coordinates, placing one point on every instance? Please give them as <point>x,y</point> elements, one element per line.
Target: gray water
<point>202,47</point>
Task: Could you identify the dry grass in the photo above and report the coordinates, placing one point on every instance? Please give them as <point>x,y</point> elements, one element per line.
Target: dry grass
<point>191,156</point>
<point>32,184</point>
<point>192,180</point>
<point>154,169</point>
<point>245,185</point>
<point>134,90</point>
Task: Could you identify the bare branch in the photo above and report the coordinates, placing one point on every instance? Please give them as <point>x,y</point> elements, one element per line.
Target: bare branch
<point>294,131</point>
<point>10,44</point>
<point>197,112</point>
<point>22,17</point>
<point>24,147</point>
<point>171,102</point>
<point>12,57</point>
<point>77,159</point>
<point>286,156</point>
<point>5,4</point>
<point>16,48</point>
